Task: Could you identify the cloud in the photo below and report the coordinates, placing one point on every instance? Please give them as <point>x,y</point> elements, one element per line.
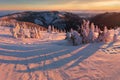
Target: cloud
<point>75,1</point>
<point>50,2</point>
<point>61,4</point>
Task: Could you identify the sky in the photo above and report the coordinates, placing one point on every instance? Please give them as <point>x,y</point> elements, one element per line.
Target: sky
<point>113,5</point>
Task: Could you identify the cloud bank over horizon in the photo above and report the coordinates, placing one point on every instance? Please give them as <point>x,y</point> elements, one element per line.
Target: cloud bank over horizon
<point>60,5</point>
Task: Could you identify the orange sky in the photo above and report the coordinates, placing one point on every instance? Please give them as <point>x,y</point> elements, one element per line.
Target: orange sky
<point>60,5</point>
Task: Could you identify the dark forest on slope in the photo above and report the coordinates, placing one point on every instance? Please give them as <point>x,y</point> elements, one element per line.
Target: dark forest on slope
<point>111,20</point>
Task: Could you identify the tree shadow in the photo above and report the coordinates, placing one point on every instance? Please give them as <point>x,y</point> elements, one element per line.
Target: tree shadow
<point>110,44</point>
<point>6,36</point>
<point>76,54</point>
<point>19,51</point>
<point>23,51</point>
<point>110,48</point>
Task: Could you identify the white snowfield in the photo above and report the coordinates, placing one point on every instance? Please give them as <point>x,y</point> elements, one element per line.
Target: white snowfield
<point>55,59</point>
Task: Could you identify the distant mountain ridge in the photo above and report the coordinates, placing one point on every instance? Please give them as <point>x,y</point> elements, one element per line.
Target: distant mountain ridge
<point>111,19</point>
<point>60,20</point>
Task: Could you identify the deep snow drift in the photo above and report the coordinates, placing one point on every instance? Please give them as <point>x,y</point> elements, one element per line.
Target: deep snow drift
<point>49,59</point>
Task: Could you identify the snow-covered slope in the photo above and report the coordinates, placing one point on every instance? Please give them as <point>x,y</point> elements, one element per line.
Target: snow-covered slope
<point>34,59</point>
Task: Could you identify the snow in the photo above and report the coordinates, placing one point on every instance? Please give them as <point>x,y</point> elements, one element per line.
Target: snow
<point>37,21</point>
<point>56,59</point>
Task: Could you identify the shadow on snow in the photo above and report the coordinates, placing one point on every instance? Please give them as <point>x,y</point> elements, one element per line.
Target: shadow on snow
<point>74,54</point>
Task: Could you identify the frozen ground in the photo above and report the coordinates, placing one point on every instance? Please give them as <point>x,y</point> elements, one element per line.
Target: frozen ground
<point>33,59</point>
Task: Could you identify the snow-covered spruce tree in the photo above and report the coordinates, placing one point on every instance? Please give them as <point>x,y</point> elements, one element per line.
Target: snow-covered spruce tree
<point>25,30</point>
<point>100,36</point>
<point>64,31</point>
<point>36,33</point>
<point>84,31</point>
<point>87,27</point>
<point>39,32</point>
<point>84,22</point>
<point>84,34</point>
<point>27,33</point>
<point>109,36</point>
<point>93,34</point>
<point>116,34</point>
<point>21,32</point>
<point>105,29</point>
<point>57,30</point>
<point>32,33</point>
<point>76,39</point>
<point>53,29</point>
<point>68,36</point>
<point>96,33</point>
<point>49,29</point>
<point>97,28</point>
<point>60,30</point>
<point>90,36</point>
<point>13,33</point>
<point>92,27</point>
<point>105,32</point>
<point>15,30</point>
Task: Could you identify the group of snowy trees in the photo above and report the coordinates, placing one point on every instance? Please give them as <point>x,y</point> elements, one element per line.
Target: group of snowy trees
<point>53,29</point>
<point>22,31</point>
<point>88,33</point>
<point>7,23</point>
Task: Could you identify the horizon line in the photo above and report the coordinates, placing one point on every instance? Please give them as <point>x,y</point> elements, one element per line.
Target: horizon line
<point>56,10</point>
